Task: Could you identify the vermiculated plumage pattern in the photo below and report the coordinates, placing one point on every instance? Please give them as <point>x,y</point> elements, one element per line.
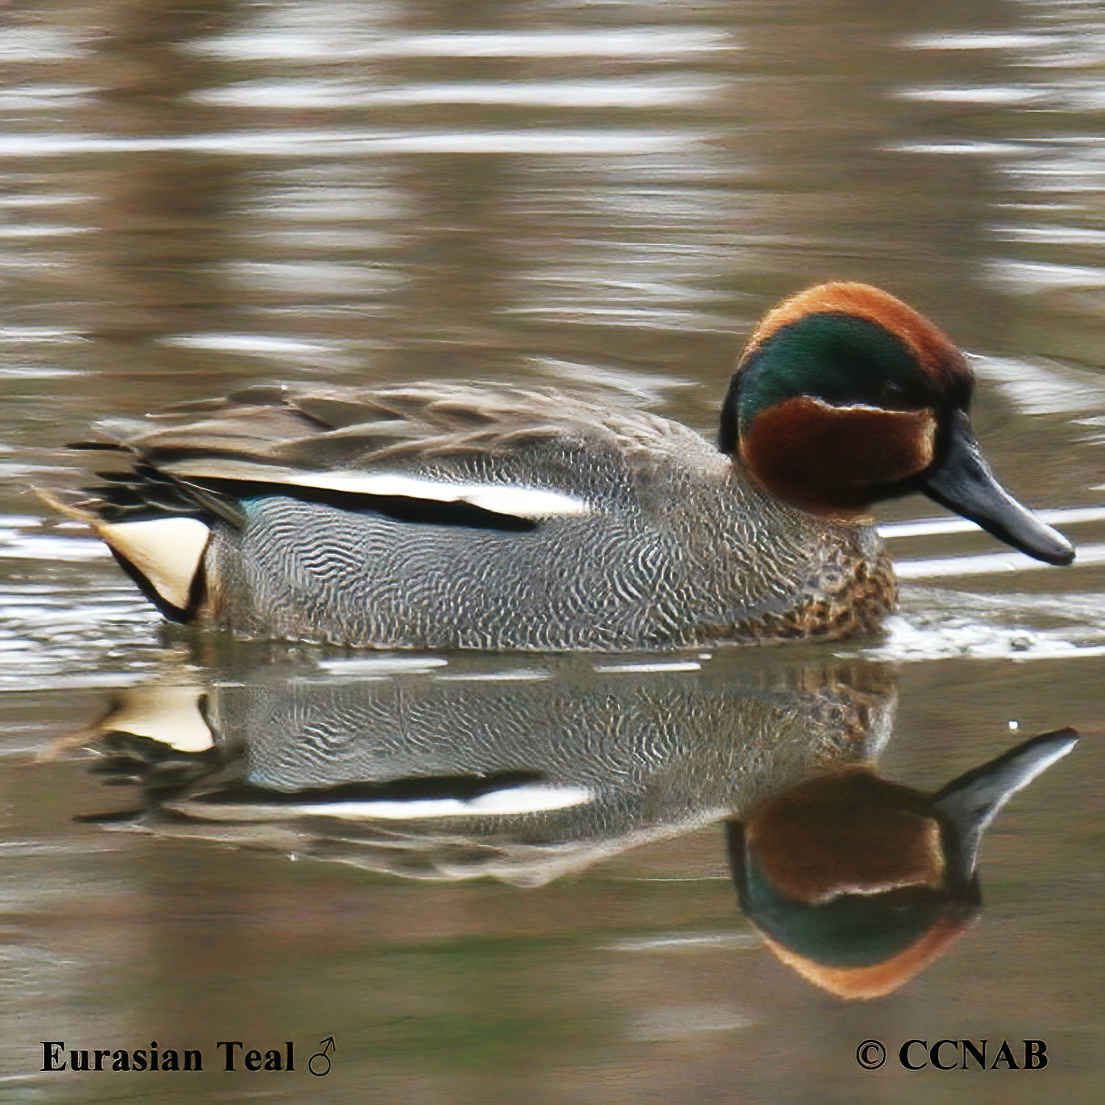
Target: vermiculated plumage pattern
<point>678,546</point>
<point>459,516</point>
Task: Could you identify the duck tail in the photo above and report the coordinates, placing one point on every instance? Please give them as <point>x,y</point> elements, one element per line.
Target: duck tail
<point>164,555</point>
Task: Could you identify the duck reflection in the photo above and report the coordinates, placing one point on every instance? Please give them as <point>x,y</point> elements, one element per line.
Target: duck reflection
<point>466,771</point>
<point>854,881</point>
<point>857,883</point>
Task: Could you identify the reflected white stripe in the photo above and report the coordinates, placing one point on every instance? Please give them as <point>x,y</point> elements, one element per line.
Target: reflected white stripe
<point>25,547</point>
<point>27,230</point>
<point>295,95</point>
<point>686,1022</point>
<point>978,40</point>
<point>28,45</point>
<point>1030,276</point>
<point>727,941</point>
<point>244,343</point>
<point>34,97</point>
<point>516,800</point>
<point>1042,387</point>
<point>56,200</point>
<point>309,144</point>
<point>624,43</point>
<point>655,666</point>
<point>1051,235</point>
<point>377,665</point>
<point>927,527</point>
<point>995,94</point>
<point>520,676</point>
<point>1088,555</point>
<point>1001,149</point>
<point>31,372</point>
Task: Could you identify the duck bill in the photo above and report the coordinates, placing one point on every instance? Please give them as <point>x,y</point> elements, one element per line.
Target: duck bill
<point>972,801</point>
<point>964,483</point>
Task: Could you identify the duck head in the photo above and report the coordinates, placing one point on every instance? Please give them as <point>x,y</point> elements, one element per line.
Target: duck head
<point>857,883</point>
<point>844,396</point>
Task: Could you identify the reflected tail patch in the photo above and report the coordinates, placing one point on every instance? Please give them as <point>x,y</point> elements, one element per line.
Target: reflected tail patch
<point>169,714</point>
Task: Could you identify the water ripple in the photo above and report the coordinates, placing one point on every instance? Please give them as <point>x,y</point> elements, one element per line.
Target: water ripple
<point>297,95</point>
<point>309,144</point>
<point>604,43</point>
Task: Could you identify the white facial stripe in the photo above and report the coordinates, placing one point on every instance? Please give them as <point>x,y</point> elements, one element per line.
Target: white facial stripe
<point>849,406</point>
<point>518,502</point>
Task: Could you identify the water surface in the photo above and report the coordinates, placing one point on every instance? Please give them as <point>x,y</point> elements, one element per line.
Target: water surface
<point>197,198</point>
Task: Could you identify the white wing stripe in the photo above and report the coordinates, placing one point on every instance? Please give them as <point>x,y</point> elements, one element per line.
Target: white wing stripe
<point>519,502</point>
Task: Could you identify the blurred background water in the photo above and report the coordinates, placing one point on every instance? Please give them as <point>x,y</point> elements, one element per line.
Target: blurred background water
<point>195,197</point>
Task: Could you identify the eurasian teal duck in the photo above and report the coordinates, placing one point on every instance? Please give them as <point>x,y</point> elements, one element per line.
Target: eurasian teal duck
<point>452,516</point>
<point>857,883</point>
